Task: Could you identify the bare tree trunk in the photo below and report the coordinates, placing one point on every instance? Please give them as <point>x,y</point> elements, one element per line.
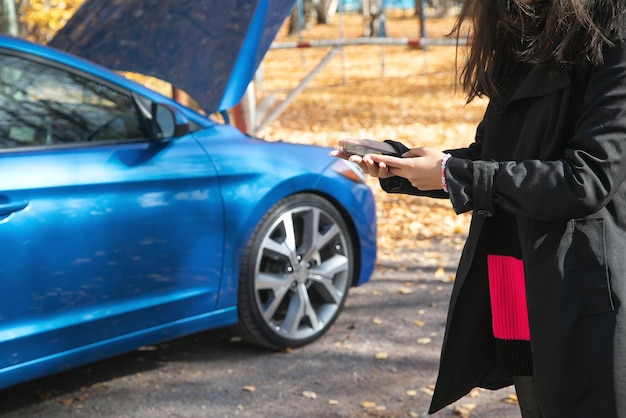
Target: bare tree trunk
<point>420,13</point>
<point>301,16</point>
<point>9,17</point>
<point>419,7</point>
<point>294,22</point>
<point>374,18</point>
<point>326,10</point>
<point>367,18</point>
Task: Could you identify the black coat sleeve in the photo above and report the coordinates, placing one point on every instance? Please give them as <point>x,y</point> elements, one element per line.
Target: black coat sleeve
<point>584,179</point>
<point>401,185</point>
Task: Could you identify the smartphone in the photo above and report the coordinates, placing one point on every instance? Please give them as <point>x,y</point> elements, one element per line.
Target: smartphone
<point>368,146</point>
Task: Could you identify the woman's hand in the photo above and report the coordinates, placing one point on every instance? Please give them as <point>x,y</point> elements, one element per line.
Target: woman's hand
<point>421,166</point>
<point>367,164</point>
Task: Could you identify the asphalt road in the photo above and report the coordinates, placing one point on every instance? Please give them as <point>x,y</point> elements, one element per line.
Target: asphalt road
<point>378,360</point>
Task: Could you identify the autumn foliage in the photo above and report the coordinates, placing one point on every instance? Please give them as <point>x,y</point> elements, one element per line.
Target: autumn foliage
<point>41,19</point>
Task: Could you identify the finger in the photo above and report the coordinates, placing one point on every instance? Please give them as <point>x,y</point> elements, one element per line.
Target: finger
<point>372,165</point>
<point>335,153</point>
<point>382,169</point>
<point>339,154</point>
<point>386,160</point>
<point>356,158</point>
<point>367,159</point>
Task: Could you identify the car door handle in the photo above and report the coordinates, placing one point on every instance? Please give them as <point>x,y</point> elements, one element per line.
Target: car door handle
<point>8,208</point>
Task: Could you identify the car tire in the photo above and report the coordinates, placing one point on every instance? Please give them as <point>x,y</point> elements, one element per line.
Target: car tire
<point>296,272</point>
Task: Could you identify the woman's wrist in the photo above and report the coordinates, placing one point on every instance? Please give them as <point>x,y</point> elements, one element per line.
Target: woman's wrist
<point>444,161</point>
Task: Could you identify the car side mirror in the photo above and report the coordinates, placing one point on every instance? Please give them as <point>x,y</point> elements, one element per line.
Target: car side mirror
<point>168,122</point>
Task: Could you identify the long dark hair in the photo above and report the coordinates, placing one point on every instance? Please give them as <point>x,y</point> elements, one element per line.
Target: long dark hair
<point>552,32</point>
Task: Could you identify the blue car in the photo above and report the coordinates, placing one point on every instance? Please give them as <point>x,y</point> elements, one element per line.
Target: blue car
<point>127,219</point>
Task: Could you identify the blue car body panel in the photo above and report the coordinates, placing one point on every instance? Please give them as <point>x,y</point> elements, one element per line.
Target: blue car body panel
<point>111,246</point>
<point>65,287</point>
<point>277,170</point>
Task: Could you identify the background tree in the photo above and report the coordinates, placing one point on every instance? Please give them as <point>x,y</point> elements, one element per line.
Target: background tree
<point>301,16</point>
<point>326,10</point>
<point>307,11</point>
<point>39,20</point>
<point>9,17</point>
<point>374,18</point>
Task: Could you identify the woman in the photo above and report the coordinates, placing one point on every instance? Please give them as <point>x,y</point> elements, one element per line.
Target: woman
<point>540,284</point>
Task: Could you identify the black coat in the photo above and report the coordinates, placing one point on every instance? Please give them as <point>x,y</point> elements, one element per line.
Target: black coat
<point>564,182</point>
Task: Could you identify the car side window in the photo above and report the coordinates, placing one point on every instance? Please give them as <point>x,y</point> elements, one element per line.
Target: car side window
<point>41,105</point>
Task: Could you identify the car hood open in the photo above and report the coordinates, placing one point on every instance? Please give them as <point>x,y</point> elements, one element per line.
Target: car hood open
<point>210,48</point>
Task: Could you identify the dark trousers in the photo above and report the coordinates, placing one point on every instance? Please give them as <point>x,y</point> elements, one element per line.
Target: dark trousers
<point>527,396</point>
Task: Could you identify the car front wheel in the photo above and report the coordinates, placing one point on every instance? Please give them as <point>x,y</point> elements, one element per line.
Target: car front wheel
<point>296,273</point>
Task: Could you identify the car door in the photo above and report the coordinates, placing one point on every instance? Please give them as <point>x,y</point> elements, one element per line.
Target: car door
<point>105,234</point>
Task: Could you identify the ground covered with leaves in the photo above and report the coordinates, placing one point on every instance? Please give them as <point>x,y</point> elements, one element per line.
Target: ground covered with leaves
<point>379,92</point>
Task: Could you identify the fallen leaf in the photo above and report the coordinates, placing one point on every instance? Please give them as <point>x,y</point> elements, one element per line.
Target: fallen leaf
<point>333,402</point>
<point>424,340</point>
<point>512,398</point>
<point>377,321</point>
<point>46,395</point>
<point>432,254</point>
<point>411,392</point>
<point>249,388</point>
<point>309,395</point>
<point>429,390</point>
<point>368,404</point>
<point>474,393</point>
<point>381,355</point>
<point>463,411</point>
